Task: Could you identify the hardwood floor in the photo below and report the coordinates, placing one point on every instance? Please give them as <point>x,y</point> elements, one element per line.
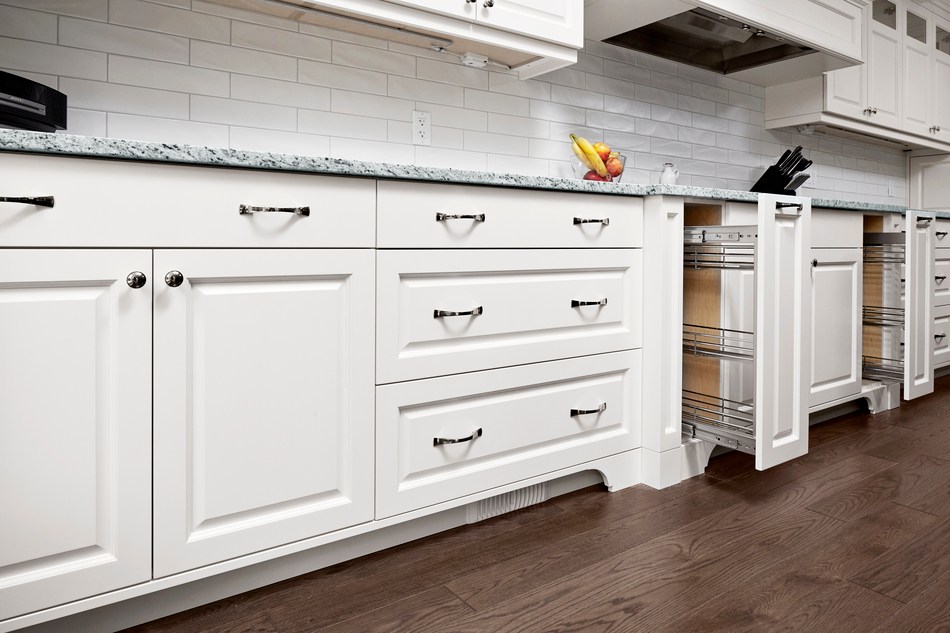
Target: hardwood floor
<point>855,536</point>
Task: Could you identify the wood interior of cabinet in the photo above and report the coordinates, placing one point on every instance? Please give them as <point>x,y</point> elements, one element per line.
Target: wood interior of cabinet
<point>702,300</point>
<point>873,337</point>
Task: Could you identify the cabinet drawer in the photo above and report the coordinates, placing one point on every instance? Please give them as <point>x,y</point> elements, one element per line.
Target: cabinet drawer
<point>942,230</point>
<point>118,203</point>
<point>505,218</point>
<point>941,335</point>
<point>942,278</point>
<point>519,419</point>
<point>524,304</point>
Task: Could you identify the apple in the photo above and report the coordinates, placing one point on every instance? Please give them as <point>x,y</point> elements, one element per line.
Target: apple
<point>603,150</point>
<point>593,175</point>
<point>614,166</point>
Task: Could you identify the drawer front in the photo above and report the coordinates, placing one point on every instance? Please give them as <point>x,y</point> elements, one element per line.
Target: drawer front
<point>505,218</point>
<point>127,203</point>
<point>941,336</point>
<point>520,424</point>
<point>523,303</point>
<point>942,278</point>
<point>836,229</point>
<point>942,230</point>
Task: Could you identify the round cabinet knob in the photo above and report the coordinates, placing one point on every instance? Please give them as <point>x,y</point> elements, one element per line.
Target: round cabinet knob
<point>174,278</point>
<point>136,279</point>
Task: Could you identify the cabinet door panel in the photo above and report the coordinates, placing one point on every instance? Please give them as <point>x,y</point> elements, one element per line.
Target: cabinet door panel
<point>884,74</point>
<point>846,91</point>
<point>263,422</point>
<point>917,92</point>
<point>918,307</point>
<point>75,425</point>
<point>837,295</point>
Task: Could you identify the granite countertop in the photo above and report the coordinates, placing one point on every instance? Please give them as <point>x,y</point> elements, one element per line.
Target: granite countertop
<point>96,147</point>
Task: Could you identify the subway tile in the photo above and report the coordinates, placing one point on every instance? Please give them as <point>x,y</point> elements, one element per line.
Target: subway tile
<point>86,122</point>
<point>357,56</point>
<point>695,167</point>
<point>417,51</point>
<point>511,85</point>
<point>455,159</point>
<point>518,126</point>
<point>557,112</point>
<point>159,130</point>
<point>564,131</point>
<point>699,75</point>
<point>627,143</point>
<point>242,60</point>
<point>569,77</point>
<point>110,38</point>
<point>336,35</point>
<point>671,83</point>
<point>202,6</point>
<point>733,113</point>
<point>277,142</point>
<point>409,88</point>
<point>698,137</point>
<point>243,113</point>
<point>671,148</point>
<point>733,84</point>
<point>589,63</point>
<point>560,169</point>
<point>373,151</point>
<point>265,38</point>
<point>609,51</point>
<point>611,86</point>
<point>609,121</point>
<point>400,132</point>
<point>332,76</point>
<point>375,106</point>
<point>288,93</point>
<point>552,150</point>
<point>710,93</point>
<point>447,137</point>
<point>166,76</point>
<point>181,4</point>
<point>447,116</point>
<point>47,80</point>
<point>494,102</point>
<point>106,97</point>
<point>89,9</point>
<point>746,101</point>
<point>715,124</point>
<point>655,95</point>
<point>670,115</point>
<point>171,20</point>
<point>712,183</point>
<point>729,142</point>
<point>575,97</point>
<point>734,172</point>
<point>743,129</point>
<point>627,72</point>
<point>342,125</point>
<point>830,146</point>
<point>35,26</point>
<point>657,63</point>
<point>630,107</point>
<point>518,165</point>
<point>657,129</point>
<point>452,73</point>
<point>746,159</point>
<point>495,143</point>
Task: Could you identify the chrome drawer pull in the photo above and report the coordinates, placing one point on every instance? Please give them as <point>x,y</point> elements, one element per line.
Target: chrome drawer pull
<point>604,221</point>
<point>246,209</point>
<point>788,205</point>
<point>438,314</point>
<point>436,441</point>
<point>442,217</point>
<point>941,235</point>
<point>939,278</point>
<point>600,409</point>
<point>576,304</point>
<point>39,201</point>
<point>939,337</point>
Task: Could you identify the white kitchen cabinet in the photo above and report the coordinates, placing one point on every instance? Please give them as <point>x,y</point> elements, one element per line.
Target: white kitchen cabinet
<point>75,423</point>
<point>560,21</point>
<point>917,70</point>
<point>929,189</point>
<point>264,400</point>
<point>940,84</point>
<point>941,335</point>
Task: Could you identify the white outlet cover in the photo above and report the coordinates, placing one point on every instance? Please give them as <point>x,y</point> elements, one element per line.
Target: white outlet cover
<point>421,128</point>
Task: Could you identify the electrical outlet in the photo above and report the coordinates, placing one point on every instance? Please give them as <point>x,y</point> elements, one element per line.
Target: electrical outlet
<point>421,128</point>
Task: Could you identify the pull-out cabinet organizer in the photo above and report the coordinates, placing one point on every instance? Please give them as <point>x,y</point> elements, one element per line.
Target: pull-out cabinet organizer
<point>767,261</point>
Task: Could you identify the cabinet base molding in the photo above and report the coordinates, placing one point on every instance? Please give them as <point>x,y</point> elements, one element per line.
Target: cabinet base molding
<point>666,468</point>
<point>159,598</point>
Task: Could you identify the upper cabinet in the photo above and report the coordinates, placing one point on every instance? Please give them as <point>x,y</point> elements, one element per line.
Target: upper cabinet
<point>531,37</point>
<point>901,92</point>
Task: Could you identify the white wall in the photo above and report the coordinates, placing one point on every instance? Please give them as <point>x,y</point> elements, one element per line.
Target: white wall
<point>188,71</point>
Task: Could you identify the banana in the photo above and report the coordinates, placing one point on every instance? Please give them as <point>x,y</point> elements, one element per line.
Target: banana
<point>593,157</point>
<point>581,156</point>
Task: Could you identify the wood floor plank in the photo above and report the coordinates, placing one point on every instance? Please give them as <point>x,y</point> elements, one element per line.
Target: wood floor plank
<point>928,612</point>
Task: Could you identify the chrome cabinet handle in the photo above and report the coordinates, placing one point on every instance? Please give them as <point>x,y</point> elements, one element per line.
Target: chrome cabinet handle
<point>941,234</point>
<point>600,409</point>
<point>39,201</point>
<point>788,205</point>
<point>436,441</point>
<point>934,129</point>
<point>136,279</point>
<point>604,221</point>
<point>576,304</point>
<point>488,4</point>
<point>442,217</point>
<point>245,209</point>
<point>174,278</point>
<point>939,337</point>
<point>940,278</point>
<point>438,314</point>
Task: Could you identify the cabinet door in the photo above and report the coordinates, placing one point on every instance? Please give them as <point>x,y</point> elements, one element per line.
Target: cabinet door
<point>884,63</point>
<point>836,300</point>
<point>846,91</point>
<point>941,80</point>
<point>264,400</point>
<point>464,9</point>
<point>75,425</point>
<point>918,307</point>
<point>560,21</point>
<point>918,35</point>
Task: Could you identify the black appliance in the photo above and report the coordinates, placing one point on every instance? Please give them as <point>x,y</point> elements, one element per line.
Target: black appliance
<point>28,105</point>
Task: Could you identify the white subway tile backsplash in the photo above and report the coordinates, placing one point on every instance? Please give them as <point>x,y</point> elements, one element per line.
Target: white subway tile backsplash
<point>494,102</point>
<point>36,26</point>
<point>518,165</point>
<point>729,142</point>
<point>448,137</point>
<point>518,126</point>
<point>202,6</point>
<point>695,104</point>
<point>627,143</point>
<point>277,92</point>
<point>265,38</point>
<point>551,150</point>
<point>409,88</point>
<point>557,112</point>
<point>626,71</point>
<point>657,129</point>
<point>452,72</point>
<point>89,9</point>
<point>732,113</point>
<point>110,38</point>
<point>342,36</point>
<point>657,63</point>
<point>671,83</point>
<point>697,136</point>
<point>399,132</point>
<point>333,76</point>
<point>589,64</point>
<point>343,125</point>
<point>495,143</point>
<point>454,159</point>
<point>563,131</point>
<point>258,140</point>
<point>50,59</point>
<point>655,95</point>
<point>567,77</point>
<point>374,151</point>
<point>171,20</point>
<point>671,148</point>
<point>710,92</point>
<point>630,107</point>
<point>460,118</point>
<point>511,85</point>
<point>671,115</point>
<point>371,105</point>
<point>107,97</point>
<point>746,101</point>
<point>158,130</point>
<point>166,76</point>
<point>357,56</point>
<point>575,97</point>
<point>243,113</point>
<point>610,86</point>
<point>243,60</point>
<point>608,121</point>
<point>86,122</point>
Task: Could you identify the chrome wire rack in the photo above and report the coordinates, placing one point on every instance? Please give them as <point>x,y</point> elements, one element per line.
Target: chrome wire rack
<point>716,342</point>
<point>883,316</point>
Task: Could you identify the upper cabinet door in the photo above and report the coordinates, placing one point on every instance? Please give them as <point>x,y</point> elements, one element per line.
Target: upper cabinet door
<point>884,64</point>
<point>75,425</point>
<point>918,307</point>
<point>940,105</point>
<point>560,21</point>
<point>464,9</point>
<point>917,92</point>
<point>846,91</point>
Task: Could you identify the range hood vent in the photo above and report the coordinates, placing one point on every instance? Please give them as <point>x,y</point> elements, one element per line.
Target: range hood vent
<point>710,41</point>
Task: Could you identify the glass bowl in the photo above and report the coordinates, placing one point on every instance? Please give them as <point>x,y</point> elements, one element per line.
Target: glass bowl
<point>581,170</point>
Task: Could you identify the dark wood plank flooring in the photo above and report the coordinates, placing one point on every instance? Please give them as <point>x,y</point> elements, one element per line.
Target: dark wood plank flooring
<point>855,536</point>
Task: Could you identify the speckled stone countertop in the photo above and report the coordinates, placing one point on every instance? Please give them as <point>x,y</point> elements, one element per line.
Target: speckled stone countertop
<point>96,147</point>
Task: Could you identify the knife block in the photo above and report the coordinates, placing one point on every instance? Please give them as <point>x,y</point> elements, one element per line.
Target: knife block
<point>773,182</point>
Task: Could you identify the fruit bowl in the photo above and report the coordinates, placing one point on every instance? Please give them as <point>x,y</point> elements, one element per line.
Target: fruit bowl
<point>614,174</point>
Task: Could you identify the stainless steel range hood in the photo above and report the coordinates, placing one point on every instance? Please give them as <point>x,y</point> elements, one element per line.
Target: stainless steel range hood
<point>766,42</point>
